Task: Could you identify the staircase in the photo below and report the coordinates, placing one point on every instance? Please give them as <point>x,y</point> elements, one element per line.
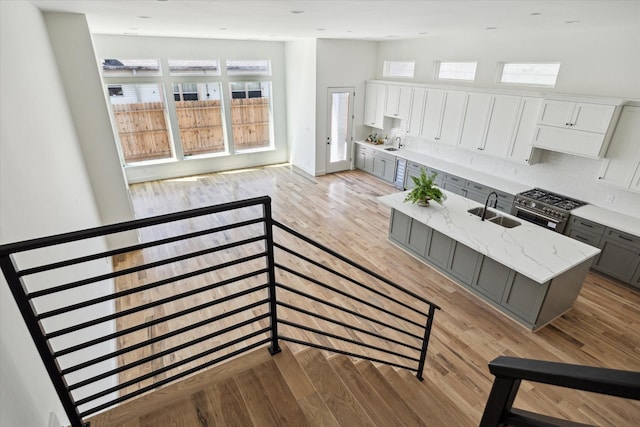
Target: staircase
<point>302,389</point>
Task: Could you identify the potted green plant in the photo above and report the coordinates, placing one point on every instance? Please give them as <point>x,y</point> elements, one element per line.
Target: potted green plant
<point>425,190</point>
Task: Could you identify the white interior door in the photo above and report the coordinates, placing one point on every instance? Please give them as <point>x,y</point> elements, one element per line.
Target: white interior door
<point>339,129</point>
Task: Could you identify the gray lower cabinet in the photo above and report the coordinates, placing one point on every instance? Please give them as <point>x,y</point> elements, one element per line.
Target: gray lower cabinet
<point>492,279</point>
<point>414,169</point>
<point>620,255</point>
<point>530,303</point>
<point>418,238</point>
<point>524,297</point>
<point>399,227</point>
<point>364,158</point>
<point>620,252</point>
<point>438,249</point>
<point>463,262</point>
<point>384,166</point>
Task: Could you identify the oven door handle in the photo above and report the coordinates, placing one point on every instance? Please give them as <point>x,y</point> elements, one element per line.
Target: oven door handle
<point>556,220</point>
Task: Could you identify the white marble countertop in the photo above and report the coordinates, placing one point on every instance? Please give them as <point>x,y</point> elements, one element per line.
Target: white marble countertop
<point>455,169</point>
<point>531,250</point>
<point>609,218</point>
<point>625,223</point>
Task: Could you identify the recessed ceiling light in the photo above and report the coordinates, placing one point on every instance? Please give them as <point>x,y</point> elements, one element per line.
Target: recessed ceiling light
<point>571,22</point>
<point>296,12</point>
<point>491,28</point>
<point>536,13</point>
<point>144,17</point>
<point>424,33</point>
<point>321,29</point>
<point>391,36</point>
<point>349,31</point>
<point>223,29</point>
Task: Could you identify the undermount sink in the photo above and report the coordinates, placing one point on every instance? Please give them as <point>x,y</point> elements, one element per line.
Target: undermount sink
<point>493,217</point>
<point>478,212</point>
<point>391,149</point>
<point>505,222</point>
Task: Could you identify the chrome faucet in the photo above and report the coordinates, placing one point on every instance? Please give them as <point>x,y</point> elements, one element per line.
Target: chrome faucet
<point>399,141</point>
<point>486,204</point>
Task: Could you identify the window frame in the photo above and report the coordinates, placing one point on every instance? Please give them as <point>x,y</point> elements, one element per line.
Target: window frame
<point>501,67</point>
<point>438,68</point>
<point>388,64</point>
<point>204,73</point>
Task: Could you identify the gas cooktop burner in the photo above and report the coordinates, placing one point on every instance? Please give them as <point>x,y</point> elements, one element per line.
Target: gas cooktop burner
<point>552,199</point>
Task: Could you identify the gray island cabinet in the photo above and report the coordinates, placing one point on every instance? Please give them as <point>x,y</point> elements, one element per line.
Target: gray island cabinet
<point>530,274</point>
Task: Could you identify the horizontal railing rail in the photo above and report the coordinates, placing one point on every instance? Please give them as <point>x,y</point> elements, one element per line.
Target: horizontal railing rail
<point>171,305</point>
<point>510,371</point>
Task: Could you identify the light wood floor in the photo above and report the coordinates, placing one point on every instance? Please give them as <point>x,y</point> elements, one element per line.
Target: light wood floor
<point>341,211</point>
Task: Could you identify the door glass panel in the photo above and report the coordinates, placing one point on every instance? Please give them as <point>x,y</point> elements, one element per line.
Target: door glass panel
<point>339,126</point>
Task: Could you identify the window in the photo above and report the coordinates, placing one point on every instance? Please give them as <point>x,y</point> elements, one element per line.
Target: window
<point>251,115</point>
<point>194,67</point>
<point>200,118</point>
<point>457,70</point>
<point>251,67</point>
<point>115,91</point>
<point>399,69</point>
<point>539,74</point>
<point>140,117</point>
<point>130,67</point>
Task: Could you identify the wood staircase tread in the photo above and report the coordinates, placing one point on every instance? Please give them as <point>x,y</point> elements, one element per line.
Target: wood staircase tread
<point>446,407</point>
<point>279,408</point>
<point>364,392</point>
<point>172,393</point>
<point>393,398</point>
<point>227,406</point>
<point>342,404</point>
<point>315,409</point>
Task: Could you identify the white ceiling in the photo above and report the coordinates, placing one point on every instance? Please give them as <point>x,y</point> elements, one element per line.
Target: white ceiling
<point>364,20</point>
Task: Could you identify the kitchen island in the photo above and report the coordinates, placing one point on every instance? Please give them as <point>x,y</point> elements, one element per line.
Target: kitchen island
<point>529,273</point>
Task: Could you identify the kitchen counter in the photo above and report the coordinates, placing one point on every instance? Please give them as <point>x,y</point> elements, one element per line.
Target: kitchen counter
<point>455,169</point>
<point>590,212</point>
<point>609,218</point>
<point>528,249</point>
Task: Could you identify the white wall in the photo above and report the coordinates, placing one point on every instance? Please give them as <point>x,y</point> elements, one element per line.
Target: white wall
<point>341,63</point>
<point>44,189</point>
<point>135,47</point>
<point>604,63</point>
<point>300,58</point>
<point>72,45</point>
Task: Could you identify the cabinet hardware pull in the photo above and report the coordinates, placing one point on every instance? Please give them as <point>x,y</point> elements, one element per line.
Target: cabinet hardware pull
<point>566,124</point>
<point>586,225</point>
<point>625,238</point>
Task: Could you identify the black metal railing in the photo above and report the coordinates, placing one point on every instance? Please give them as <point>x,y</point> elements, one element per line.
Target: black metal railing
<point>510,371</point>
<point>226,280</point>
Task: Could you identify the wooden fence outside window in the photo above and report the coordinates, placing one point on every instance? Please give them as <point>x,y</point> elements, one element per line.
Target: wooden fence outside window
<point>144,134</point>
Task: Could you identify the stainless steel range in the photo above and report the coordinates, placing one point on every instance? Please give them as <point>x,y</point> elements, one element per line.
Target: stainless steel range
<point>544,208</point>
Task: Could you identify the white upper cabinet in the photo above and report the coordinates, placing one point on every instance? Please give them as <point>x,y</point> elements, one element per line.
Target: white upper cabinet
<point>579,128</point>
<point>503,118</point>
<point>451,117</point>
<point>490,123</point>
<point>417,109</point>
<point>374,103</point>
<point>576,115</point>
<point>476,118</point>
<point>521,149</point>
<point>621,167</point>
<point>432,114</point>
<point>398,104</point>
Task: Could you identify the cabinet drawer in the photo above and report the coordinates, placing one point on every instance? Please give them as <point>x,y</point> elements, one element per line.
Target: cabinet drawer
<point>385,156</point>
<point>584,236</point>
<point>454,179</point>
<point>454,188</point>
<point>626,239</point>
<point>585,224</point>
<point>478,188</point>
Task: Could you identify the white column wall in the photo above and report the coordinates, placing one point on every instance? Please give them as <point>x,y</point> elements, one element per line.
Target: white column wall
<point>44,189</point>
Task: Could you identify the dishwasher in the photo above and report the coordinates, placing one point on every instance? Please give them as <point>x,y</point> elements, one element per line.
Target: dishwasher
<point>401,167</point>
